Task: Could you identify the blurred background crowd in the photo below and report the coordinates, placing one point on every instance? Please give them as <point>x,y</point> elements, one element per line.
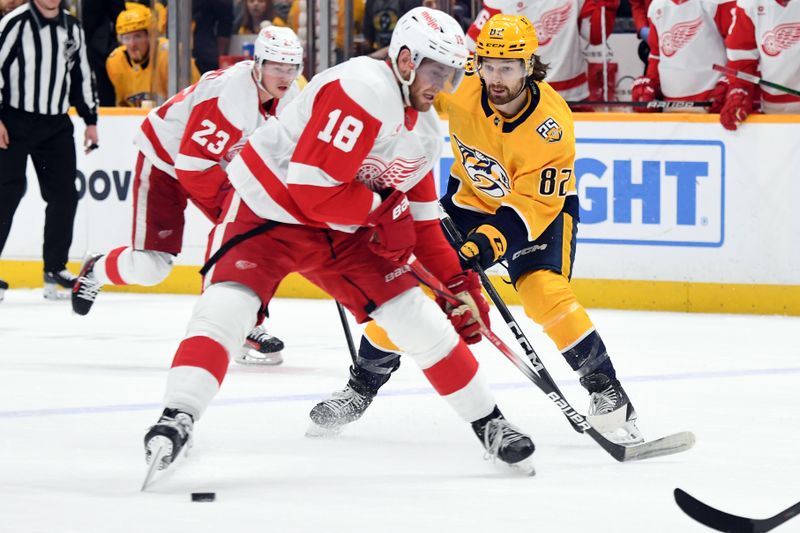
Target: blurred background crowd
<point>602,53</point>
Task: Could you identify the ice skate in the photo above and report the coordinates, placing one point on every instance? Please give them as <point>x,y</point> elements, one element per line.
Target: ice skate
<point>55,282</point>
<point>611,411</point>
<point>3,289</point>
<point>502,440</point>
<point>260,348</point>
<point>329,417</point>
<point>165,440</point>
<point>86,287</point>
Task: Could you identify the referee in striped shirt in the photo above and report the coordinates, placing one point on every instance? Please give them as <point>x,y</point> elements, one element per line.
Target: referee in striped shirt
<point>44,70</point>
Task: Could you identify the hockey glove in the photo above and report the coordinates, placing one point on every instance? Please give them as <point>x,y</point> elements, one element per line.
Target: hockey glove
<point>486,245</point>
<point>392,235</point>
<point>737,106</point>
<point>468,318</point>
<point>644,90</point>
<point>718,95</point>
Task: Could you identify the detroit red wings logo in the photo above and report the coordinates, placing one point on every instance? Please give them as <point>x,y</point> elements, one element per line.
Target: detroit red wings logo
<point>551,23</point>
<point>679,36</point>
<point>783,37</point>
<point>377,175</point>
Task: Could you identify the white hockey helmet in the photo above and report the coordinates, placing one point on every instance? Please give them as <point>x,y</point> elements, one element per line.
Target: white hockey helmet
<point>278,44</point>
<point>429,33</point>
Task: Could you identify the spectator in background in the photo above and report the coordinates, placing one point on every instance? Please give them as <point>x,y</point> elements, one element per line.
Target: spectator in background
<point>380,17</point>
<point>685,38</point>
<point>562,27</point>
<point>257,13</point>
<point>764,39</point>
<point>297,21</point>
<point>213,25</point>
<point>98,24</point>
<point>139,70</point>
<point>7,6</point>
<point>37,86</point>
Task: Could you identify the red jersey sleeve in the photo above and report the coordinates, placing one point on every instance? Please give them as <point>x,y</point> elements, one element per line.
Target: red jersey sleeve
<point>483,15</point>
<point>321,178</point>
<point>207,138</point>
<point>655,55</point>
<point>639,12</point>
<point>724,17</point>
<point>593,11</point>
<point>432,248</point>
<point>742,48</point>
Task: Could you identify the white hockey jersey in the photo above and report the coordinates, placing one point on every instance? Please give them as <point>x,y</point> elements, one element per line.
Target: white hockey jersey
<point>195,133</point>
<point>686,38</point>
<point>765,39</point>
<point>561,38</point>
<point>345,136</point>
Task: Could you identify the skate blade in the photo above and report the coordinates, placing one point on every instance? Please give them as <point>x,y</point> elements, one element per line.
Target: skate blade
<point>159,447</point>
<point>261,359</point>
<point>55,295</point>
<point>524,467</point>
<point>315,431</point>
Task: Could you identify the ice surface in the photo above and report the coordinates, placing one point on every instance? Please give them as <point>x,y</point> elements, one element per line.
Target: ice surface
<point>78,393</point>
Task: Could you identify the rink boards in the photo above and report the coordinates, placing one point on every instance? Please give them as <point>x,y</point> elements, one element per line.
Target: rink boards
<point>676,213</point>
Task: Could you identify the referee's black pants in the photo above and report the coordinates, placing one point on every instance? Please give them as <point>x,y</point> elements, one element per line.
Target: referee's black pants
<point>48,139</point>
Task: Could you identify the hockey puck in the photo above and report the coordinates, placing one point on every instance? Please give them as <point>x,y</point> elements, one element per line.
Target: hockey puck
<point>204,496</point>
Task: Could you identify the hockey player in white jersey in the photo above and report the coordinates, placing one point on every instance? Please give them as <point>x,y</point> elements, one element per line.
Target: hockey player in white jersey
<point>184,146</point>
<point>340,190</point>
<point>686,39</point>
<point>571,40</point>
<point>764,40</point>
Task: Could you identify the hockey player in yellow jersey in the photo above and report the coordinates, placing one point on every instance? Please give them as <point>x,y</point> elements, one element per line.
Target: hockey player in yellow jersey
<point>512,194</point>
<point>137,72</point>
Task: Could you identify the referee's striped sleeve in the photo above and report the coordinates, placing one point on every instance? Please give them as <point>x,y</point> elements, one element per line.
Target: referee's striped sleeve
<point>9,32</point>
<point>83,93</point>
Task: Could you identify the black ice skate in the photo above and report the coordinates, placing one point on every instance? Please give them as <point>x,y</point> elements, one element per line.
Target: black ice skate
<point>260,348</point>
<point>165,440</point>
<point>55,281</point>
<point>502,440</point>
<point>3,289</point>
<point>86,287</point>
<point>610,410</point>
<point>329,417</point>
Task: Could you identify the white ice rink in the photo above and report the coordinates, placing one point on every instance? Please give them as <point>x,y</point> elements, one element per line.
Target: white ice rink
<point>78,393</point>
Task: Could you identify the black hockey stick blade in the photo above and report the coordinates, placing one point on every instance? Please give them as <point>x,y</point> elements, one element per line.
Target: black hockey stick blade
<point>722,521</point>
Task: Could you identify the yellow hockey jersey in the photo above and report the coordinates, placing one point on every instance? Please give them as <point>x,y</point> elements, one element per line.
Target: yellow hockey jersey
<point>134,82</point>
<point>524,163</point>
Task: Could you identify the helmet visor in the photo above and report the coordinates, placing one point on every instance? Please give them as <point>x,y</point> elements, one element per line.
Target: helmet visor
<point>503,70</point>
<point>288,71</point>
<point>443,77</point>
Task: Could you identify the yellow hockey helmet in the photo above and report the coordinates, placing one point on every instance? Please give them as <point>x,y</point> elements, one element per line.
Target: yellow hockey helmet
<point>135,17</point>
<point>507,37</point>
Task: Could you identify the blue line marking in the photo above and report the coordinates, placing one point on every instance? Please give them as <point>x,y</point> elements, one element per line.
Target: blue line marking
<point>103,409</point>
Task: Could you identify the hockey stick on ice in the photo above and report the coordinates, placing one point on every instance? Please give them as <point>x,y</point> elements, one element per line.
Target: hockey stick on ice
<point>722,521</point>
<point>671,444</point>
<point>348,335</point>
<point>756,80</point>
<point>652,104</point>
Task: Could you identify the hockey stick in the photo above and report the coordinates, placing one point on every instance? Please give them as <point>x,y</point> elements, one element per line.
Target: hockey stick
<point>756,80</point>
<point>671,444</point>
<point>347,333</point>
<point>652,104</point>
<point>721,521</point>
